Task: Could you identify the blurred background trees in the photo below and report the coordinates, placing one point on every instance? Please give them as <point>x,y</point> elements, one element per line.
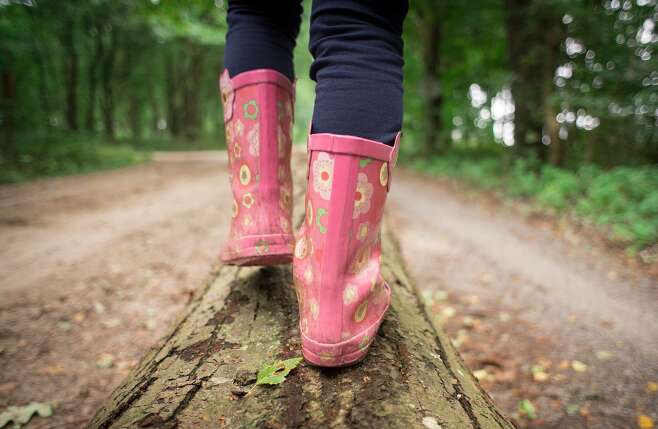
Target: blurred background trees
<point>541,98</point>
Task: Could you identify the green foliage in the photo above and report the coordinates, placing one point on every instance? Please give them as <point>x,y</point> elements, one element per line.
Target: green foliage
<point>21,416</point>
<point>275,373</point>
<point>38,156</point>
<point>622,202</point>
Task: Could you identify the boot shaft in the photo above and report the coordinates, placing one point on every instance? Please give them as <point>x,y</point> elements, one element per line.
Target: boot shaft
<point>337,263</point>
<point>258,115</point>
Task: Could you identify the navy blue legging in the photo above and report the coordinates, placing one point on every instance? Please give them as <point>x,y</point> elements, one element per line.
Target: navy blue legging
<point>357,50</point>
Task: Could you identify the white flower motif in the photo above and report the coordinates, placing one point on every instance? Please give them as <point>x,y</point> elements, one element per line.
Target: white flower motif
<point>323,172</point>
<point>350,294</point>
<point>253,139</point>
<point>301,248</point>
<point>364,191</point>
<point>239,128</point>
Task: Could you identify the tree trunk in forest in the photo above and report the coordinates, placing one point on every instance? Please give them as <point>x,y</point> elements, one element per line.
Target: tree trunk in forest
<point>135,116</point>
<point>70,74</point>
<point>92,78</point>
<point>241,318</point>
<point>522,41</point>
<point>8,104</point>
<point>553,132</point>
<point>553,35</point>
<point>173,114</point>
<point>431,31</point>
<point>589,146</point>
<point>107,73</point>
<point>192,114</point>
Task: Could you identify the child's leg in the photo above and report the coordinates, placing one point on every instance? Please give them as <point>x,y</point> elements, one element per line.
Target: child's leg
<point>261,35</point>
<point>257,93</point>
<point>357,46</point>
<point>352,147</point>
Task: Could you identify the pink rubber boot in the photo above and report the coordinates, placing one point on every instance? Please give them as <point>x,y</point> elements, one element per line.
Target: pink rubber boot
<point>342,296</point>
<point>258,116</point>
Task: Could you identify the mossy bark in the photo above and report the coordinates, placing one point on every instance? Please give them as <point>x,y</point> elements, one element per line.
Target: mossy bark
<point>196,377</point>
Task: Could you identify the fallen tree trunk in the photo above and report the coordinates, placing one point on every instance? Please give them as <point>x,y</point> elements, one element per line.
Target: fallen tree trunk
<point>196,377</point>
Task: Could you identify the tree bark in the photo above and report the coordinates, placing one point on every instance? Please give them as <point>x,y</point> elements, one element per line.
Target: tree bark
<point>243,317</point>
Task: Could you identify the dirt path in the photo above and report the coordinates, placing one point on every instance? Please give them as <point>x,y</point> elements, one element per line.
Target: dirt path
<point>93,268</point>
<point>515,295</point>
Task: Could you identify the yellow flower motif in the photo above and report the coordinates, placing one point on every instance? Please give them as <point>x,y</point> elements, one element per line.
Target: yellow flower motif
<point>253,140</point>
<point>383,174</point>
<point>360,312</point>
<point>363,194</point>
<point>362,232</point>
<point>248,200</point>
<point>237,150</point>
<point>229,127</point>
<point>326,356</point>
<point>360,260</point>
<point>246,222</point>
<point>314,308</point>
<point>350,294</point>
<point>323,172</point>
<point>345,335</point>
<point>285,199</point>
<point>235,209</point>
<point>304,325</point>
<point>245,175</point>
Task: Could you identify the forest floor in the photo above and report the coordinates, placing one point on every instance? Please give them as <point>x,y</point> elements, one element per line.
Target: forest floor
<point>94,268</point>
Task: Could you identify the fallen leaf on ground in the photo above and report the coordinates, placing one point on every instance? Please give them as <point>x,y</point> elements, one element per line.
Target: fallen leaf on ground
<point>51,370</point>
<point>603,355</point>
<point>571,409</point>
<point>112,323</point>
<point>20,416</point>
<point>578,366</point>
<point>652,387</point>
<point>105,360</point>
<point>538,373</point>
<point>644,422</point>
<point>275,373</point>
<point>527,409</point>
<point>64,325</point>
<point>99,307</point>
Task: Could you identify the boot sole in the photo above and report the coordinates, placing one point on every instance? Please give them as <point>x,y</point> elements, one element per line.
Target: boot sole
<point>279,252</point>
<point>340,361</point>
